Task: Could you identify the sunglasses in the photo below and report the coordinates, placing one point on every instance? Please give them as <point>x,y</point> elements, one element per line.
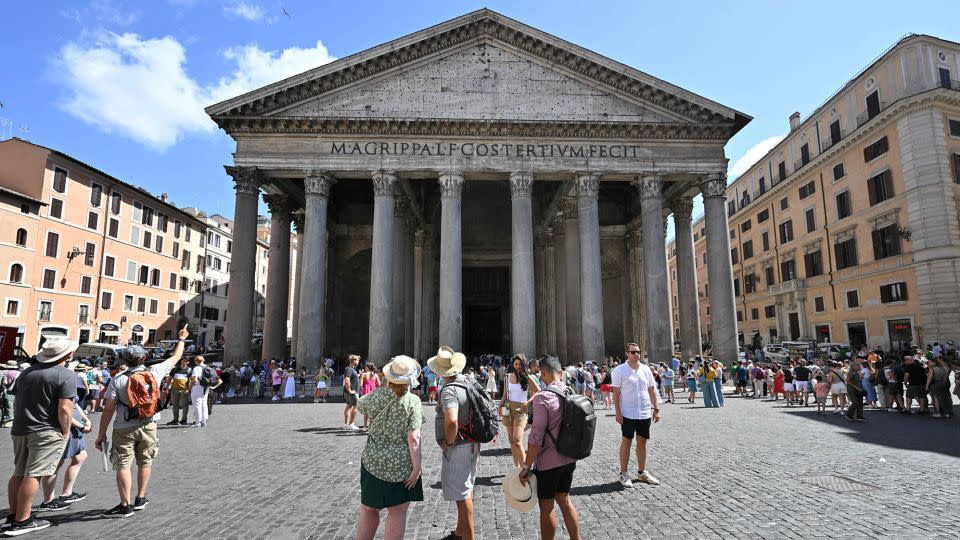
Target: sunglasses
<point>633,352</point>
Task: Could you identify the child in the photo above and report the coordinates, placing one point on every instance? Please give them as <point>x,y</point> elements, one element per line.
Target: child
<point>821,390</point>
<point>74,454</point>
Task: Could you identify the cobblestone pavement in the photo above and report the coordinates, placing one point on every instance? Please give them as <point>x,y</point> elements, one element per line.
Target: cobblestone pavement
<point>751,469</point>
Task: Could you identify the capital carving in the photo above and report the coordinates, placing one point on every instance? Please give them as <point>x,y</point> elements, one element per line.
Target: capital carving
<point>714,185</point>
<point>318,183</point>
<point>588,184</point>
<point>279,205</point>
<point>682,208</point>
<point>246,180</point>
<point>521,184</point>
<point>298,223</point>
<point>451,185</point>
<point>384,183</point>
<point>568,206</point>
<point>650,186</point>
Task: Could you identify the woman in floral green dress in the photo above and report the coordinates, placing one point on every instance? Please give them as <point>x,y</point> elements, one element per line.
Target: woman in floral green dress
<point>390,464</point>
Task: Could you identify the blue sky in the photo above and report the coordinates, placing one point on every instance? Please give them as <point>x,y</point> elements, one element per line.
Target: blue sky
<point>122,85</point>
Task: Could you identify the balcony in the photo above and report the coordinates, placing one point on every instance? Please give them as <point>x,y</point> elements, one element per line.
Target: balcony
<point>788,286</point>
<point>863,117</point>
<point>828,141</point>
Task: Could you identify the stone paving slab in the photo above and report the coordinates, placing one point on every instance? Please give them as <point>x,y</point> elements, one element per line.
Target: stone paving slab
<point>750,470</point>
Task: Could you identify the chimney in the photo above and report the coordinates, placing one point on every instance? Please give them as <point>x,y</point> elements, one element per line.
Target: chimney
<point>794,121</point>
<point>163,197</point>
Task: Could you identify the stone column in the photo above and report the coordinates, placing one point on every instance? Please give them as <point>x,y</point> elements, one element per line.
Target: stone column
<point>451,261</point>
<point>312,329</point>
<point>687,299</point>
<point>559,288</point>
<point>381,269</point>
<point>801,317</point>
<point>429,295</point>
<point>418,279</point>
<point>278,279</point>
<point>571,255</point>
<point>636,288</point>
<point>400,229</point>
<point>298,271</point>
<point>549,294</point>
<point>723,311</point>
<point>409,288</point>
<point>522,303</point>
<point>591,279</point>
<point>656,286</point>
<point>243,265</point>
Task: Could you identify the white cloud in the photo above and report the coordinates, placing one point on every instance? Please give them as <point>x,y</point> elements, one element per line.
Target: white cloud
<point>753,155</point>
<point>245,10</point>
<point>140,89</point>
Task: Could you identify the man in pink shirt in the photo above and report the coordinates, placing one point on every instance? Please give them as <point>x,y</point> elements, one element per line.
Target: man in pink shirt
<point>554,471</point>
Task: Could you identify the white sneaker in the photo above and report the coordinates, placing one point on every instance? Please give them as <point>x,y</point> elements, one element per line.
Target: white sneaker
<point>195,425</point>
<point>891,409</point>
<point>625,480</point>
<point>353,427</point>
<point>648,478</point>
<point>936,415</point>
<point>276,398</point>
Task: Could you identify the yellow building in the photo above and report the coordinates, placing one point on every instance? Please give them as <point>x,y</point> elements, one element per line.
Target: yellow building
<point>847,230</point>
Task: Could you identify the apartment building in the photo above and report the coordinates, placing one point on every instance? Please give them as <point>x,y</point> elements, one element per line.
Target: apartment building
<point>848,229</point>
<point>100,258</point>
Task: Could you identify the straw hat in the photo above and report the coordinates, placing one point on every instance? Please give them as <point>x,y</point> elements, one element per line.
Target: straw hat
<point>81,367</point>
<point>10,364</point>
<point>54,349</point>
<point>402,370</point>
<point>447,362</point>
<point>521,497</point>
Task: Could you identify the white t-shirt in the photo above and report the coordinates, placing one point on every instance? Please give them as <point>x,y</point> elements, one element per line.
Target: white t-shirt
<point>634,385</point>
<point>198,389</point>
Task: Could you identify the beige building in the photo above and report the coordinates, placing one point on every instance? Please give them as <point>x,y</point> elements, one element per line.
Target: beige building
<point>100,261</point>
<point>848,229</point>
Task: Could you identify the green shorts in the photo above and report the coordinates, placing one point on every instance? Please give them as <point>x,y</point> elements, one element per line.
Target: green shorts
<point>134,444</point>
<point>37,454</point>
<point>379,494</point>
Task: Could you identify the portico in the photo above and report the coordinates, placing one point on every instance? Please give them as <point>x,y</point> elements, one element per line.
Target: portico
<point>480,165</point>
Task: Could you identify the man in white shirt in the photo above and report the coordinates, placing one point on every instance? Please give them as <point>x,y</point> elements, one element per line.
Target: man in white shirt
<point>635,401</point>
<point>198,393</point>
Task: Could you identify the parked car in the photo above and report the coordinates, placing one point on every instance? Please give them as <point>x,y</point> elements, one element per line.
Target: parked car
<point>109,352</point>
<point>775,353</point>
<point>836,351</point>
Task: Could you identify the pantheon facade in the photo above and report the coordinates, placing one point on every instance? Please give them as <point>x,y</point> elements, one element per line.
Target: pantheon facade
<point>480,184</point>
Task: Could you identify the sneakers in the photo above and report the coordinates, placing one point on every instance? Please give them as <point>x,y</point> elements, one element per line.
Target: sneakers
<point>351,426</point>
<point>625,480</point>
<point>936,415</point>
<point>648,478</point>
<point>196,425</point>
<point>275,398</point>
<point>203,424</point>
<point>183,422</point>
<point>120,510</point>
<point>53,505</point>
<point>172,422</point>
<point>139,503</point>
<point>73,497</point>
<point>31,524</point>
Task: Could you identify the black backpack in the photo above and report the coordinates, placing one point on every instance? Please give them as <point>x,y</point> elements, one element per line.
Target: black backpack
<point>209,377</point>
<point>578,424</point>
<point>484,423</point>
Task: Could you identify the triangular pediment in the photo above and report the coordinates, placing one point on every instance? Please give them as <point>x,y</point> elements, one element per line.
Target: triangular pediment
<point>481,66</point>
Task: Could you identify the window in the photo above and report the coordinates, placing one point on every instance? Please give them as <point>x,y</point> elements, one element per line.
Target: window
<point>768,275</point>
<point>147,216</point>
<point>13,308</point>
<point>53,243</point>
<point>811,217</point>
<point>147,239</point>
<point>185,260</point>
<point>176,228</point>
<point>875,150</point>
<point>187,233</point>
<point>173,280</point>
<point>56,209</point>
<point>880,187</point>
<point>844,209</point>
<point>170,308</point>
<point>46,310</point>
<point>128,302</point>
<point>142,305</point>
<point>49,278</point>
<point>158,245</point>
<point>162,222</point>
<point>131,271</point>
<point>96,193</point>
<point>109,265</point>
<point>763,216</point>
<point>137,211</point>
<point>846,253</point>
<point>736,286</point>
<point>788,270</point>
<point>886,242</point>
<point>731,208</point>
<point>818,304</point>
<point>144,277</point>
<point>754,314</point>
<point>813,263</point>
<point>155,277</point>
<point>93,220</point>
<point>786,231</point>
<point>59,180</point>
<point>733,233</point>
<point>835,133</point>
<point>154,306</point>
<point>134,234</point>
<point>838,172</point>
<point>184,283</point>
<point>750,283</point>
<point>21,237</point>
<point>765,240</point>
<point>86,282</point>
<point>853,299</point>
<point>873,104</point>
<point>784,203</point>
<point>894,292</point>
<point>739,316</point>
<point>115,201</point>
<point>954,128</point>
<point>763,185</point>
<point>782,170</point>
<point>217,263</point>
<point>804,154</point>
<point>734,258</point>
<point>747,249</point>
<point>113,228</point>
<point>16,273</point>
<point>770,311</point>
<point>176,250</point>
<point>745,226</point>
<point>89,253</point>
<point>807,190</point>
<point>956,168</point>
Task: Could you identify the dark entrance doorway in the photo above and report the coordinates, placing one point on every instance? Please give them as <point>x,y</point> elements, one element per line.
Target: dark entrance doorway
<point>486,302</point>
<point>794,325</point>
<point>856,334</point>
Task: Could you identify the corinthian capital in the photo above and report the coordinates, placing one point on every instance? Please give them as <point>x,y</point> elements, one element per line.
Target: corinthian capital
<point>247,180</point>
<point>317,182</point>
<point>682,208</point>
<point>714,185</point>
<point>383,183</point>
<point>279,205</point>
<point>521,184</point>
<point>568,206</point>
<point>451,185</point>
<point>588,184</point>
<point>649,186</point>
<point>298,221</point>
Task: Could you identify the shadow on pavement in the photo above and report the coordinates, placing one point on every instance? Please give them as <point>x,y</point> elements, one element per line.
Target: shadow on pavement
<point>894,430</point>
<point>487,480</point>
<point>338,431</point>
<point>597,489</point>
<point>495,452</point>
<point>71,517</point>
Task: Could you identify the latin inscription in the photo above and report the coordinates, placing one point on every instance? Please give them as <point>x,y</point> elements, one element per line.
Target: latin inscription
<point>485,149</point>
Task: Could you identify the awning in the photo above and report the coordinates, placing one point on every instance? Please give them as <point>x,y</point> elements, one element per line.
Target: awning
<point>54,332</point>
<point>110,333</point>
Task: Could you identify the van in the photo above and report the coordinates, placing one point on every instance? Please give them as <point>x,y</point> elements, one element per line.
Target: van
<point>110,353</point>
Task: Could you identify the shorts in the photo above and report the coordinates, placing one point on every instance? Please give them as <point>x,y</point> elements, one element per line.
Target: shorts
<point>606,388</point>
<point>916,392</point>
<point>37,454</point>
<point>631,426</point>
<point>692,385</point>
<point>458,471</point>
<point>276,388</point>
<point>379,494</point>
<point>433,390</point>
<point>555,480</point>
<point>516,415</point>
<point>822,400</point>
<point>838,388</point>
<point>801,386</point>
<point>350,399</point>
<point>788,387</point>
<point>134,444</point>
<point>321,385</point>
<point>75,445</point>
<point>894,388</point>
